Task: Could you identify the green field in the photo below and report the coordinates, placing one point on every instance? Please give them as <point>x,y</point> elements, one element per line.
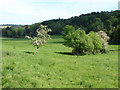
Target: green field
<point>54,66</point>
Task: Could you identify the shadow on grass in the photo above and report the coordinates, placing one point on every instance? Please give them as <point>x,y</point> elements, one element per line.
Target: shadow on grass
<point>115,50</point>
<point>69,53</point>
<point>64,53</point>
<point>28,52</point>
<point>56,42</point>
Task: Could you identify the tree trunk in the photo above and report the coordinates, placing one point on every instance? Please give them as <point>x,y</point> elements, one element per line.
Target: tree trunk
<point>36,50</point>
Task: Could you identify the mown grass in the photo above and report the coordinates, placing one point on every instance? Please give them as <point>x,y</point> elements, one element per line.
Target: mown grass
<point>54,66</point>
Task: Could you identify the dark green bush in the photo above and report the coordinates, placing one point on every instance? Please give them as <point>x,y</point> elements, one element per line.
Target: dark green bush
<point>116,35</point>
<point>81,42</point>
<point>78,40</point>
<point>9,33</point>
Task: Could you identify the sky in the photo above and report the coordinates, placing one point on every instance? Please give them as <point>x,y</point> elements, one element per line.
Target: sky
<point>33,11</point>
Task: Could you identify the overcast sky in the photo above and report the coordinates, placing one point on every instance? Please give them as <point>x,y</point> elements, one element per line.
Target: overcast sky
<point>33,11</point>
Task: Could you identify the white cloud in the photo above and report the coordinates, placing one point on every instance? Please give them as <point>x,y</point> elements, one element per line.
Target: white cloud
<point>72,0</point>
<point>31,11</point>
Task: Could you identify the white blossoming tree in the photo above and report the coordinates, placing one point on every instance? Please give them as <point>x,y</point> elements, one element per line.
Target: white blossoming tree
<point>104,38</point>
<point>41,38</point>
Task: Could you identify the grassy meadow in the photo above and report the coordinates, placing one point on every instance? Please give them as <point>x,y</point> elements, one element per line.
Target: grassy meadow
<point>54,66</point>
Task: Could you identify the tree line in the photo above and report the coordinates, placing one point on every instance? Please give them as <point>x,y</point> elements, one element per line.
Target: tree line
<point>94,21</point>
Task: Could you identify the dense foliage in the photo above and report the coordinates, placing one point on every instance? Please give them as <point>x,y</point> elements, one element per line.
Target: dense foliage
<point>83,43</point>
<point>94,21</point>
<point>97,43</point>
<point>14,32</point>
<point>116,35</point>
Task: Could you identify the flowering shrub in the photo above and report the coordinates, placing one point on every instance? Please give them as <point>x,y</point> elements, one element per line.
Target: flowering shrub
<point>42,36</point>
<point>104,39</point>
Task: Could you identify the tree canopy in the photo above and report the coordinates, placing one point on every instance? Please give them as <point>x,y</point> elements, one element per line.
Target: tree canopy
<point>94,21</point>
